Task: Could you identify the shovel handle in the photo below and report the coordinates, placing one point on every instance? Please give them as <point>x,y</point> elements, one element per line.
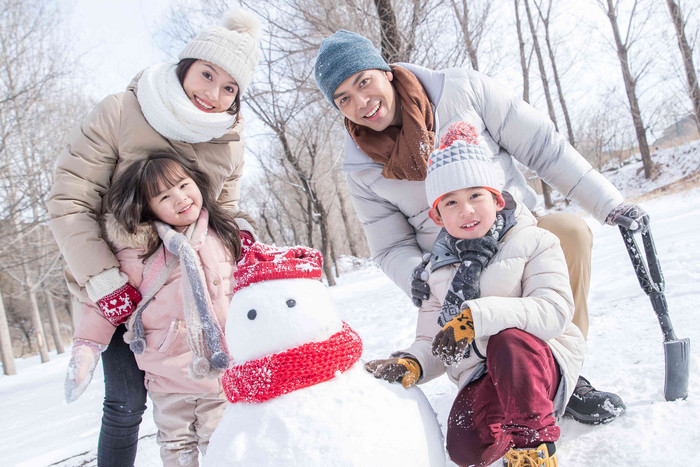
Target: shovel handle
<point>650,277</point>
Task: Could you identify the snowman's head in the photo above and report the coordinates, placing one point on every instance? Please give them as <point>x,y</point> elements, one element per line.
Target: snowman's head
<point>274,315</point>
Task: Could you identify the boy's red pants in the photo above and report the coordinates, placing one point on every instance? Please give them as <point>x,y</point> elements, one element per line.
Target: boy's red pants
<point>510,406</point>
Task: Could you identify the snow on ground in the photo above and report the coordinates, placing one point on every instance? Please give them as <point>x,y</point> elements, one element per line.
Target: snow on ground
<point>624,350</point>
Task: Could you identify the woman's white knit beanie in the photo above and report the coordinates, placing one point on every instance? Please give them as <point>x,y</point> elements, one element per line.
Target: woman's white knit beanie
<point>460,162</point>
<point>233,45</point>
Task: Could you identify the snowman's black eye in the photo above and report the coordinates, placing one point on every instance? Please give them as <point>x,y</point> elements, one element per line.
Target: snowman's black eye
<point>291,303</point>
<point>252,314</point>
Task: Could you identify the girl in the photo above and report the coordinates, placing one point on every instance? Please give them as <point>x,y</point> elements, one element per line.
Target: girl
<point>192,107</point>
<point>172,240</point>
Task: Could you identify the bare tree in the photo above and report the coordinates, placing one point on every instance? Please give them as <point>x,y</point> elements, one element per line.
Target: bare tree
<point>687,54</point>
<point>391,40</point>
<point>38,107</point>
<point>472,22</point>
<point>524,63</point>
<point>630,81</point>
<point>545,17</point>
<point>546,190</point>
<point>8,358</point>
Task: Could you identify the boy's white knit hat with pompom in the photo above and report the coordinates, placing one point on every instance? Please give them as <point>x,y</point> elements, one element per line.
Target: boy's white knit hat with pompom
<point>233,46</point>
<point>460,162</point>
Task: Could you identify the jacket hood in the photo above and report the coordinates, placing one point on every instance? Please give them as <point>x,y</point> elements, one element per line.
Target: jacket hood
<point>118,238</point>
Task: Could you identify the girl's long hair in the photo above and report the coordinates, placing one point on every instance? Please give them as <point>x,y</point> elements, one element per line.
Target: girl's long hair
<point>129,194</point>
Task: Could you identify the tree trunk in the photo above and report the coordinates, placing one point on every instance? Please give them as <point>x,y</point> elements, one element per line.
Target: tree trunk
<point>540,63</point>
<point>352,244</point>
<point>523,62</point>
<point>687,53</point>
<point>545,85</point>
<point>463,20</point>
<point>555,72</point>
<point>391,41</point>
<point>630,84</point>
<point>8,357</point>
<point>38,327</point>
<point>55,328</point>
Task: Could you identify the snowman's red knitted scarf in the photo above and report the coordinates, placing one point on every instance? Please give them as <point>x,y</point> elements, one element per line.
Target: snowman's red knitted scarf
<point>277,374</point>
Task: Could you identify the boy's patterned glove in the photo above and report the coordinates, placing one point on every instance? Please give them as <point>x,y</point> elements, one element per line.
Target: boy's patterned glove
<point>451,342</point>
<point>113,294</point>
<point>85,355</point>
<point>420,290</point>
<point>630,216</point>
<point>405,369</point>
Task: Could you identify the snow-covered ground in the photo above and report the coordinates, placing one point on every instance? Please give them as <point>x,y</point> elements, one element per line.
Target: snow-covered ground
<point>624,350</point>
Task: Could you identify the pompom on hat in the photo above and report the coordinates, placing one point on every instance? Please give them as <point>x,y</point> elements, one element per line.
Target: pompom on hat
<point>233,46</point>
<point>342,55</point>
<point>460,162</point>
<point>266,262</point>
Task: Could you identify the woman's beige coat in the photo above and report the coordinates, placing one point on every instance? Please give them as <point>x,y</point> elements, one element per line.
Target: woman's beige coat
<point>112,136</point>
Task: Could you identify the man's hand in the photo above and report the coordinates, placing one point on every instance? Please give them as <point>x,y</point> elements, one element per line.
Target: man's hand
<point>420,290</point>
<point>392,370</point>
<point>451,342</point>
<point>630,216</point>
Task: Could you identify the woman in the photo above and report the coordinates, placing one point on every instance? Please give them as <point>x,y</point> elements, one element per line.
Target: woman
<point>191,108</point>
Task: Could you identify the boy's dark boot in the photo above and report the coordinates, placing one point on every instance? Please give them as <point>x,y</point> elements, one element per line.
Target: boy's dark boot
<point>587,405</point>
<point>543,455</point>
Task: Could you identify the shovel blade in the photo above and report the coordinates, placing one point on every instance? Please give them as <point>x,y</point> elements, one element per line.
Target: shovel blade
<point>677,353</point>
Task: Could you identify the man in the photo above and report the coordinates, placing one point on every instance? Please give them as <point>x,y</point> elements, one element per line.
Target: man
<point>395,114</point>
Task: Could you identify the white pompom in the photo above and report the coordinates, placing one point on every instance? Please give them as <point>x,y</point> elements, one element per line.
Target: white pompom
<point>240,20</point>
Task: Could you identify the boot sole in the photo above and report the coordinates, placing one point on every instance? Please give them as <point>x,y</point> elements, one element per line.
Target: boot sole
<point>591,419</point>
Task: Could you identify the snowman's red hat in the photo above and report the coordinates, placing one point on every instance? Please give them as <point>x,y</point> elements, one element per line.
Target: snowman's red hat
<point>263,262</point>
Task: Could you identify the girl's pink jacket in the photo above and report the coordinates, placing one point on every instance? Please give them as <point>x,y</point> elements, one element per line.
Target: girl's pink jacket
<point>167,355</point>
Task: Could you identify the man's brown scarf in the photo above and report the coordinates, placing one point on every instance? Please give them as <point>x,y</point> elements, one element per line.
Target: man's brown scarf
<point>403,150</point>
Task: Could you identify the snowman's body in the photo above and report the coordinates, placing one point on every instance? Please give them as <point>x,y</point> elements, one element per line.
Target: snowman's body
<point>352,419</point>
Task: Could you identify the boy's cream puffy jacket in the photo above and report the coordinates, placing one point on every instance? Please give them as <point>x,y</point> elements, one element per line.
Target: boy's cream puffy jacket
<point>112,136</point>
<point>167,355</point>
<point>524,286</point>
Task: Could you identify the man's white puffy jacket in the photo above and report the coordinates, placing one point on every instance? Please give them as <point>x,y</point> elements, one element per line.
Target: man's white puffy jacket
<point>394,213</point>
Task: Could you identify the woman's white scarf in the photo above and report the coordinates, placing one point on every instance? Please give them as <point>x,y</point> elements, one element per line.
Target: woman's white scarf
<point>171,113</point>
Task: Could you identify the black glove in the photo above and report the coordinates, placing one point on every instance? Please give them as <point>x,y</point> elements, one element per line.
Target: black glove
<point>420,290</point>
<point>630,216</point>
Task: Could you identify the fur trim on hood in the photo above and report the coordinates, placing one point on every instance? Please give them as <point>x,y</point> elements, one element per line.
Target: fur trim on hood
<point>117,237</point>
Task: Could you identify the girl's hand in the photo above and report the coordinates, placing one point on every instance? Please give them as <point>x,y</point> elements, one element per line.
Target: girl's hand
<point>85,355</point>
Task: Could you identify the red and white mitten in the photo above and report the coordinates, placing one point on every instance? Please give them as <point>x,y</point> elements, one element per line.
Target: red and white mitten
<point>111,291</point>
<point>246,241</point>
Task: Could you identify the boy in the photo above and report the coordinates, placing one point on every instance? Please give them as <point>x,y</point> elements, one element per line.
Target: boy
<point>498,320</point>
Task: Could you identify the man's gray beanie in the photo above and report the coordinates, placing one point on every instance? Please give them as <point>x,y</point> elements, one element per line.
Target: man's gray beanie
<point>342,55</point>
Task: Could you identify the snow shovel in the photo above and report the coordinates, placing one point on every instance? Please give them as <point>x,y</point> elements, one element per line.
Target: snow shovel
<point>676,351</point>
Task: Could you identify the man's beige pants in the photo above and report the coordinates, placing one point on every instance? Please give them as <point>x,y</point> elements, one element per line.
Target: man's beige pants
<point>576,240</point>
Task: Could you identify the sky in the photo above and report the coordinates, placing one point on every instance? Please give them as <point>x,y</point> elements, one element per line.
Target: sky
<point>116,38</point>
<point>624,351</point>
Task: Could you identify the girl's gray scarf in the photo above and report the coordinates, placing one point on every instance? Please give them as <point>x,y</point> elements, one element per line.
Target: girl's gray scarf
<point>473,254</point>
<point>204,335</point>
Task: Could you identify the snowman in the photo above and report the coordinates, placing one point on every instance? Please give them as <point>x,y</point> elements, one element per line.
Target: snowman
<point>298,394</point>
